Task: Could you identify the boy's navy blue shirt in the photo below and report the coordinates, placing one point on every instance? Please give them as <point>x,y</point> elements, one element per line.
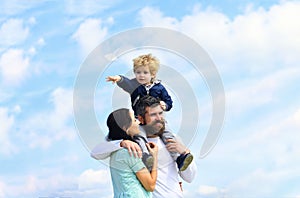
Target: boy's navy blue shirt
<point>136,91</point>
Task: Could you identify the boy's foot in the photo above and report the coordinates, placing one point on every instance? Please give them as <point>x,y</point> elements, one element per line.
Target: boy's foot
<point>148,160</point>
<point>184,160</point>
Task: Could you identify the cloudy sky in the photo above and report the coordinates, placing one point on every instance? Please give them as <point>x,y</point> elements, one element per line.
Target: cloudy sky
<point>255,46</point>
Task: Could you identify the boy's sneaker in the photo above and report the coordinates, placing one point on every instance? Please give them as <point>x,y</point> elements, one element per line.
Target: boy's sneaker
<point>184,160</point>
<point>148,160</point>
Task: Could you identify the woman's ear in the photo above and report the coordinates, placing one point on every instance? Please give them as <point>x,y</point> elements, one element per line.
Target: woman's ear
<point>124,129</point>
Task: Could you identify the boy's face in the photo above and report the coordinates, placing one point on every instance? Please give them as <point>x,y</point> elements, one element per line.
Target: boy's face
<point>143,75</point>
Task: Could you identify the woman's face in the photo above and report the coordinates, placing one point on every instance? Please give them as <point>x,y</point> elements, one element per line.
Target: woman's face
<point>134,128</point>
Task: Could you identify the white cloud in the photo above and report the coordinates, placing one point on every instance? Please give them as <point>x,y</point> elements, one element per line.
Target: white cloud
<point>89,183</point>
<point>32,51</point>
<point>17,109</point>
<point>12,32</point>
<point>13,66</point>
<point>93,179</point>
<point>14,7</point>
<point>2,187</point>
<point>41,42</point>
<point>6,122</point>
<point>4,96</point>
<point>154,17</point>
<point>252,93</point>
<point>258,40</point>
<point>36,186</point>
<point>259,183</point>
<point>45,128</point>
<point>87,8</point>
<point>32,21</point>
<point>208,190</point>
<point>89,34</point>
<point>267,151</point>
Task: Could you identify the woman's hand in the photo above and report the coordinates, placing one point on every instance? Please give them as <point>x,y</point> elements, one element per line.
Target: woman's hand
<point>132,147</point>
<point>152,148</point>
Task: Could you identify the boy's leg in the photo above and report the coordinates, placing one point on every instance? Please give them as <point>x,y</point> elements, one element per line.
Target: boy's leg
<point>166,135</point>
<point>182,160</point>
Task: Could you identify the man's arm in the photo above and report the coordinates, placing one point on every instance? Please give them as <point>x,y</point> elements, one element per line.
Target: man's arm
<point>189,174</point>
<point>103,150</point>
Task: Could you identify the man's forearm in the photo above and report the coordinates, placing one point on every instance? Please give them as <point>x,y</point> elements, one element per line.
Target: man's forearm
<point>104,149</point>
<point>190,173</point>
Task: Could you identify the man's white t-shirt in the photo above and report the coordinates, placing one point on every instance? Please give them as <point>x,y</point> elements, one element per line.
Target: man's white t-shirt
<point>167,184</point>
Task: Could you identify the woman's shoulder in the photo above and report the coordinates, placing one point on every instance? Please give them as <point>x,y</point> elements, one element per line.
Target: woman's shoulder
<point>122,151</point>
<point>121,154</point>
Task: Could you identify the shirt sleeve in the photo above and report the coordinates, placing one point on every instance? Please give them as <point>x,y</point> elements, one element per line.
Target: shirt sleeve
<point>166,98</point>
<point>128,85</point>
<point>136,164</point>
<point>104,149</point>
<point>190,173</point>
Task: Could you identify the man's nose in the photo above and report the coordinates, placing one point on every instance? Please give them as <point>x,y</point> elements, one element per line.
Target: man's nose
<point>158,117</point>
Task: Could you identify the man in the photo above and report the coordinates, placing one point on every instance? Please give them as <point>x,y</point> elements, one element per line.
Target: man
<point>151,116</point>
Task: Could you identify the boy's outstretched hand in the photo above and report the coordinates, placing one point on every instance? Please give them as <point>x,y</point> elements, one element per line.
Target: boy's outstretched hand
<point>113,79</point>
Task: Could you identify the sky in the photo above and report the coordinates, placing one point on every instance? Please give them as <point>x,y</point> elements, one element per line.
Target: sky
<point>254,45</point>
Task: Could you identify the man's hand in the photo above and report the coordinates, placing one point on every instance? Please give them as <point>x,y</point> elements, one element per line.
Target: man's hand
<point>176,146</point>
<point>132,148</point>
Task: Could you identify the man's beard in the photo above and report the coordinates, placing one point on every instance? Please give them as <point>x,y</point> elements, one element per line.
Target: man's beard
<point>151,129</point>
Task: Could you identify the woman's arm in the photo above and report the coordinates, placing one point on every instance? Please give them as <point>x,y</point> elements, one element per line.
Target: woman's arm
<point>148,179</point>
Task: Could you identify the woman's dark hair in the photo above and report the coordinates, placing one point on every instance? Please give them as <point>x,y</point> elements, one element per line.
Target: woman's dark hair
<point>116,122</point>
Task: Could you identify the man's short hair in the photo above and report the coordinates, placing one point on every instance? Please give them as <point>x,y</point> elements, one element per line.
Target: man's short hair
<point>144,102</point>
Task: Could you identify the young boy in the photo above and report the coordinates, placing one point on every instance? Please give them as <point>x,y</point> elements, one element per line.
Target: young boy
<point>145,68</point>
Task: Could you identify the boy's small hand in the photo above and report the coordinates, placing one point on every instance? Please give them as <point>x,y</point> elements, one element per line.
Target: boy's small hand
<point>113,79</point>
<point>163,105</point>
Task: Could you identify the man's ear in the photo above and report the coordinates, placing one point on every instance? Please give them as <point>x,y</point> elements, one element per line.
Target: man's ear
<point>141,119</point>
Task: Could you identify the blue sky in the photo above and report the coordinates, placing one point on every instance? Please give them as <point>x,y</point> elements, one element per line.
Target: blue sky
<point>254,44</point>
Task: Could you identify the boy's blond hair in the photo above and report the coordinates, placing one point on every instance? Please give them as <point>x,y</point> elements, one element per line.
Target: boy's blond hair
<point>147,60</point>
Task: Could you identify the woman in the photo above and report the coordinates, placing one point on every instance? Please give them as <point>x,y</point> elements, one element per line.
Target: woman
<point>130,177</point>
